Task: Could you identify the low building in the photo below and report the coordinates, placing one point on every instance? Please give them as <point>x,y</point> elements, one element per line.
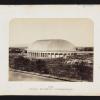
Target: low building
<point>52,48</point>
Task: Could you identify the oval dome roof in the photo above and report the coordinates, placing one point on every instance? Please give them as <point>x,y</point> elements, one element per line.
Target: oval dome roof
<point>51,45</point>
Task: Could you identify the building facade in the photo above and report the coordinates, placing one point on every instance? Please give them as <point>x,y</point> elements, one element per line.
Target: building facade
<point>53,48</point>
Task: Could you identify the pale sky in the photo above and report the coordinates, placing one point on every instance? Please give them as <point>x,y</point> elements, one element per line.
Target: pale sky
<point>27,30</point>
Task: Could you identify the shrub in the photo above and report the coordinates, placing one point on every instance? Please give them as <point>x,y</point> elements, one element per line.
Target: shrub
<point>21,63</point>
<point>56,67</point>
<point>41,66</point>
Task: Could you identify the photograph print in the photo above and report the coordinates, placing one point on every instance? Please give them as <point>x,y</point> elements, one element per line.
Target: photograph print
<point>51,49</point>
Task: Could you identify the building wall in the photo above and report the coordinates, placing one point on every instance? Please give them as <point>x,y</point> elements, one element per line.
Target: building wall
<point>50,55</point>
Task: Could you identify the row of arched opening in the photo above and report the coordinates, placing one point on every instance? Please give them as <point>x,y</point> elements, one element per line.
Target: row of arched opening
<point>52,55</point>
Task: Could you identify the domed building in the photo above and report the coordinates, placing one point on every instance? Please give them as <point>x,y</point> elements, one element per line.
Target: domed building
<point>50,48</point>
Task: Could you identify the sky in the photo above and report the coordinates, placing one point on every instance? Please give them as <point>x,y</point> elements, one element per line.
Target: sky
<point>24,31</point>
